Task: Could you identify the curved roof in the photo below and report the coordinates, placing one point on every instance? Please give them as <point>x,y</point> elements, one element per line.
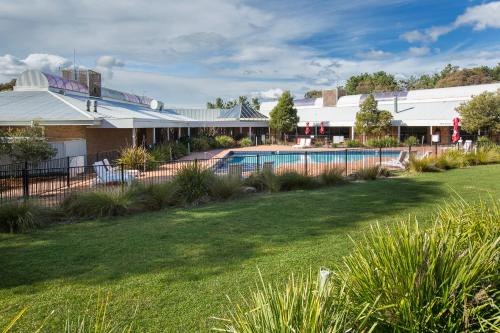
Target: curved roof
<point>36,80</point>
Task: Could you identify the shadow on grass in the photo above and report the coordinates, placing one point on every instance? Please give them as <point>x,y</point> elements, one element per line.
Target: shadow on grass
<point>195,243</point>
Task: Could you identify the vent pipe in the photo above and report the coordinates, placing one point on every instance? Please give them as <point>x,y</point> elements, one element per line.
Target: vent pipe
<point>88,105</point>
<point>94,104</point>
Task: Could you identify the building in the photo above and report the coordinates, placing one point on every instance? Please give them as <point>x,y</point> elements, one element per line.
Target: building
<point>81,115</point>
<point>418,113</point>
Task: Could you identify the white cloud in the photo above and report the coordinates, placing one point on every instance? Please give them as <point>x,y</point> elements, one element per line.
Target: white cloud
<point>419,51</point>
<point>105,65</point>
<point>374,54</point>
<point>269,94</point>
<point>11,66</point>
<point>480,17</point>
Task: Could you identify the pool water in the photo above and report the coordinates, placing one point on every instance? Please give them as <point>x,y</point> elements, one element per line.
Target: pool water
<point>250,160</point>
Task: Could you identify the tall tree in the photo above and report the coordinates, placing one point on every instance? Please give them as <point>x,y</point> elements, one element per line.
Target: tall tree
<point>255,103</point>
<point>370,120</point>
<point>368,83</point>
<point>481,113</point>
<point>284,116</point>
<point>8,85</point>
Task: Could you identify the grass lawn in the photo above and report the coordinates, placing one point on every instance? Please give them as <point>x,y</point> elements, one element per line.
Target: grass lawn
<point>177,266</point>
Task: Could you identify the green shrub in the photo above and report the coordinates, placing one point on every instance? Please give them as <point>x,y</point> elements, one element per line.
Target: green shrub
<point>264,180</point>
<point>371,173</point>
<point>136,158</point>
<point>485,155</point>
<point>153,196</point>
<point>22,216</point>
<point>193,183</point>
<point>411,141</point>
<point>168,151</point>
<point>225,187</point>
<point>353,143</point>
<point>97,204</point>
<point>291,180</point>
<point>452,159</point>
<point>318,143</point>
<point>383,142</point>
<point>224,141</point>
<point>438,279</point>
<point>200,144</point>
<point>332,176</point>
<point>245,142</point>
<point>484,142</point>
<point>302,304</point>
<point>425,164</point>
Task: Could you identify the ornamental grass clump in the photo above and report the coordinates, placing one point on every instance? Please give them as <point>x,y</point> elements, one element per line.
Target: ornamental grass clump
<point>302,304</point>
<point>193,183</point>
<point>263,181</point>
<point>452,159</point>
<point>371,173</point>
<point>424,164</point>
<point>136,158</point>
<point>292,180</point>
<point>22,216</point>
<point>153,196</point>
<point>332,176</point>
<point>438,279</point>
<point>97,204</point>
<point>225,187</point>
<point>245,142</point>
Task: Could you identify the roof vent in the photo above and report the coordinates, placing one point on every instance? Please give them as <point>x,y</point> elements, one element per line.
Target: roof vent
<point>94,105</point>
<point>156,105</point>
<point>88,105</point>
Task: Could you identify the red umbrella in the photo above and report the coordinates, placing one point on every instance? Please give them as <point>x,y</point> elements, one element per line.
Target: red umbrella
<point>456,135</point>
<point>308,130</point>
<point>321,129</point>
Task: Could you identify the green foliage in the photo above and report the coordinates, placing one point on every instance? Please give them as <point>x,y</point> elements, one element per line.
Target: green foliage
<point>438,279</point>
<point>264,180</point>
<point>485,142</point>
<point>332,176</point>
<point>451,159</point>
<point>318,143</point>
<point>224,141</point>
<point>425,164</point>
<point>481,113</point>
<point>193,183</point>
<point>8,85</point>
<point>291,180</point>
<point>245,142</point>
<point>97,204</point>
<point>369,83</point>
<point>26,144</point>
<point>22,216</point>
<point>219,103</point>
<point>153,196</point>
<point>302,304</point>
<point>168,151</point>
<point>411,141</point>
<point>370,120</point>
<point>283,117</point>
<point>371,173</point>
<point>353,144</point>
<point>200,144</point>
<point>313,94</point>
<point>225,187</point>
<point>136,158</point>
<point>384,142</point>
<point>485,155</point>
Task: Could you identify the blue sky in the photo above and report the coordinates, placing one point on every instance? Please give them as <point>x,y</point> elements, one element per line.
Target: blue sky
<point>186,53</point>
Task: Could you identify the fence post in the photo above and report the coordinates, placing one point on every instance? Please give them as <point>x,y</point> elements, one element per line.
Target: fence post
<point>346,162</point>
<point>258,163</point>
<point>196,162</point>
<point>26,180</point>
<point>380,156</point>
<point>436,149</point>
<point>96,157</point>
<point>122,174</point>
<point>305,162</point>
<point>68,169</point>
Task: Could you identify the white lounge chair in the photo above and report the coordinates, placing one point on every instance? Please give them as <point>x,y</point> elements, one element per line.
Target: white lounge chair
<point>301,143</point>
<point>109,167</point>
<point>468,145</point>
<point>307,143</point>
<point>400,162</point>
<point>109,176</point>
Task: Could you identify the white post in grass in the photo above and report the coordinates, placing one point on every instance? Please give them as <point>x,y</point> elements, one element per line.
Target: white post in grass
<point>324,275</point>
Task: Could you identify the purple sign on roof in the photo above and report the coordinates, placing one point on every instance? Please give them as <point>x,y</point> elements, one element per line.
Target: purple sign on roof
<point>60,83</point>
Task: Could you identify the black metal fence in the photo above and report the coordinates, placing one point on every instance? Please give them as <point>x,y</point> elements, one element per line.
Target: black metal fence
<point>49,184</point>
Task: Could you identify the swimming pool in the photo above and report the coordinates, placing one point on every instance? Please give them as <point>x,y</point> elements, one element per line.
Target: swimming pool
<point>255,159</point>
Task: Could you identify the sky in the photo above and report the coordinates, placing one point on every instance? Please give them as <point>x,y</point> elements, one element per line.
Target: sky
<point>186,53</point>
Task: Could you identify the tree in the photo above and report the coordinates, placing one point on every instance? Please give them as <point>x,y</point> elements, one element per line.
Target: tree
<point>313,94</point>
<point>8,86</point>
<point>284,117</point>
<point>369,83</point>
<point>255,104</point>
<point>220,104</point>
<point>26,144</point>
<point>481,113</point>
<point>370,120</point>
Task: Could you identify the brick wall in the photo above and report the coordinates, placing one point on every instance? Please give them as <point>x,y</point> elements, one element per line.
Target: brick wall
<point>60,133</point>
<point>107,139</point>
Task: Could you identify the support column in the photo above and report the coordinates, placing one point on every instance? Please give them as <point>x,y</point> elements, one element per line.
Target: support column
<point>168,134</point>
<point>179,133</point>
<point>154,135</point>
<point>134,137</point>
<point>352,133</point>
<point>250,132</point>
<point>189,131</point>
<point>399,133</point>
<point>430,134</point>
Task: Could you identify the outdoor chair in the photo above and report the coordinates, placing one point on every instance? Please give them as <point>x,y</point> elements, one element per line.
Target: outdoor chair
<point>109,167</point>
<point>307,143</point>
<point>468,145</point>
<point>109,176</point>
<point>301,143</point>
<point>400,162</point>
